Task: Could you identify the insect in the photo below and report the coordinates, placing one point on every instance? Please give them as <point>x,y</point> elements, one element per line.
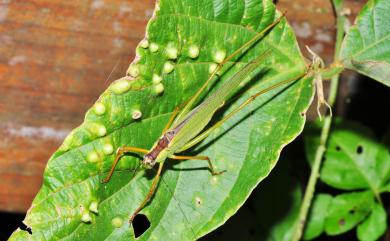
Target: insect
<point>184,128</point>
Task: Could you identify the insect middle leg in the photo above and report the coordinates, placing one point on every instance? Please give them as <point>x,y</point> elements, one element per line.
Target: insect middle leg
<point>204,158</point>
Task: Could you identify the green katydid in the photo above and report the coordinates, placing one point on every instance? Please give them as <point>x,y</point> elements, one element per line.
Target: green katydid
<point>184,128</point>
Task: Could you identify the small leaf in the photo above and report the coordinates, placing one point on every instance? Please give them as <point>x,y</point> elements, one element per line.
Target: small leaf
<point>347,210</point>
<point>366,48</point>
<point>374,226</point>
<point>316,220</point>
<point>353,159</point>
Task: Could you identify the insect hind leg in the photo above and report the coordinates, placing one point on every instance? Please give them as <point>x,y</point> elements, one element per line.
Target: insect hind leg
<point>203,158</point>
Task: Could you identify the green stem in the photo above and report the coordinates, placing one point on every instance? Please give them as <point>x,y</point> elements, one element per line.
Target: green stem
<point>315,171</point>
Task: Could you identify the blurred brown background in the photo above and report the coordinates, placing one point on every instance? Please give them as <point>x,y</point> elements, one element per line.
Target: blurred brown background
<point>57,56</point>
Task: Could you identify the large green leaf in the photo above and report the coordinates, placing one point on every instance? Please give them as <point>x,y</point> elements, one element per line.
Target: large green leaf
<point>366,47</point>
<point>72,203</point>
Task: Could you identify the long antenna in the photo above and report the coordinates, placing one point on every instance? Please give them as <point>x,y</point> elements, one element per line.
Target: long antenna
<point>112,71</point>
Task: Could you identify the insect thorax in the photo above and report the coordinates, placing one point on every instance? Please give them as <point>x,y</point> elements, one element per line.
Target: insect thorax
<point>159,150</point>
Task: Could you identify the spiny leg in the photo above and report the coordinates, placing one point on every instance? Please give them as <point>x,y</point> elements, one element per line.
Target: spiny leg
<point>120,151</point>
<point>150,193</point>
<point>204,158</point>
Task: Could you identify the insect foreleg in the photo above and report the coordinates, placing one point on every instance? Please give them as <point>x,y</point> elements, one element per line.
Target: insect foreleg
<point>205,158</point>
<point>120,151</point>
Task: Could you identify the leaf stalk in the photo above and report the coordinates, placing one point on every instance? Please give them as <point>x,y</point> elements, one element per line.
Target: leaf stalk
<point>315,171</point>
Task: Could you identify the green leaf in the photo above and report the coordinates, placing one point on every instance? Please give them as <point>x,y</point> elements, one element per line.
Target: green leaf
<point>346,211</point>
<point>374,226</point>
<point>316,220</point>
<point>366,48</point>
<point>354,159</point>
<point>189,202</point>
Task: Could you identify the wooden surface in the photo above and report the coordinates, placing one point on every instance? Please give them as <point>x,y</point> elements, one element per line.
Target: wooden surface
<point>55,59</point>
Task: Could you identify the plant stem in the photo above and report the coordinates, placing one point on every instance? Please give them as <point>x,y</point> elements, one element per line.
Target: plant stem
<point>315,171</point>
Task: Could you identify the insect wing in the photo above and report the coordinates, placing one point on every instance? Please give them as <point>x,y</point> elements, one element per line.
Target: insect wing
<point>196,120</point>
